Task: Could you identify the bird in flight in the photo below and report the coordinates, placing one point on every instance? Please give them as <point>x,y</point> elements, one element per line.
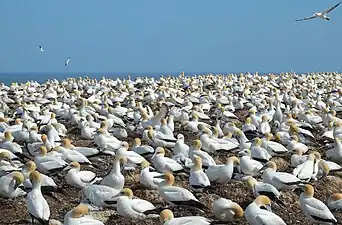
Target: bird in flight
<point>41,48</point>
<point>322,15</point>
<point>67,62</point>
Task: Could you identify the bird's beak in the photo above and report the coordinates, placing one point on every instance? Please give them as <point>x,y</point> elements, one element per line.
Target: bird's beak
<point>268,207</point>
<point>240,154</point>
<point>122,166</point>
<point>160,176</point>
<point>15,184</point>
<point>262,168</point>
<point>67,168</point>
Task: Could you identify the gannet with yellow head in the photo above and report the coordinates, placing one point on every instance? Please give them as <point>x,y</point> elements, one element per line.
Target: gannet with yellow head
<point>9,185</point>
<point>37,206</point>
<point>177,195</point>
<point>255,215</point>
<point>167,218</point>
<point>226,210</point>
<point>313,208</point>
<point>78,215</point>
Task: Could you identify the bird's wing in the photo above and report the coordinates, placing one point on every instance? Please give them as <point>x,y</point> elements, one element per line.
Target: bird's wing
<point>89,221</point>
<point>265,187</point>
<point>199,179</point>
<point>307,18</point>
<point>332,8</point>
<point>214,172</point>
<point>86,176</point>
<point>141,205</point>
<point>286,178</point>
<point>317,208</point>
<point>179,194</point>
<point>172,164</point>
<point>270,218</point>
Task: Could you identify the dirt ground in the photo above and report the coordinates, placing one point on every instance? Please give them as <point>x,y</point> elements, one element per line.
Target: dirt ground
<point>14,211</point>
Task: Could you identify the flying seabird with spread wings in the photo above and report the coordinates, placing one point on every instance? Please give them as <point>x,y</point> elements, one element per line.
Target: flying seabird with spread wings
<point>322,15</point>
<point>66,63</point>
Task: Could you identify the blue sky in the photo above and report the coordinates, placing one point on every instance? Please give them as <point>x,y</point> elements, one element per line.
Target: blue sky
<point>167,36</point>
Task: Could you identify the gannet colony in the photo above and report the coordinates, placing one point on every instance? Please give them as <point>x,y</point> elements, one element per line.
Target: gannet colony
<point>184,150</point>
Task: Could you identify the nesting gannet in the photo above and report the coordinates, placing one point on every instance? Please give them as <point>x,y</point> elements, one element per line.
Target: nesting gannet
<point>34,147</point>
<point>115,179</point>
<point>222,174</point>
<point>167,218</point>
<point>100,195</point>
<point>46,164</point>
<point>9,185</point>
<point>305,170</point>
<point>198,179</point>
<point>298,158</point>
<point>180,147</point>
<point>258,153</point>
<point>37,206</point>
<point>332,166</point>
<point>160,140</point>
<point>164,128</point>
<point>295,144</point>
<point>86,151</point>
<point>335,154</point>
<point>6,164</point>
<point>335,201</point>
<point>77,178</point>
<point>226,210</point>
<point>177,195</point>
<point>34,136</point>
<point>128,207</point>
<point>256,216</point>
<point>87,132</point>
<point>148,176</point>
<point>264,126</point>
<point>260,188</point>
<point>10,145</point>
<point>47,182</point>
<point>313,208</point>
<point>142,150</point>
<point>164,164</point>
<point>71,155</point>
<point>133,158</point>
<point>248,165</point>
<point>279,180</point>
<point>248,126</point>
<point>244,143</point>
<point>195,150</point>
<point>107,143</point>
<point>78,216</point>
<point>272,147</point>
<point>322,15</point>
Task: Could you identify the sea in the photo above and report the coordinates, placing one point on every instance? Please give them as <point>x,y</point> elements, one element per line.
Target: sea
<point>8,78</point>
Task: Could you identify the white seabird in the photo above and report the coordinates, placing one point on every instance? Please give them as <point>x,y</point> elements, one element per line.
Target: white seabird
<point>322,15</point>
<point>66,63</point>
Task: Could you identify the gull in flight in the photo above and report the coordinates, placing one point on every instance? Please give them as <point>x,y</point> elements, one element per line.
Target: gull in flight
<point>67,61</point>
<point>322,15</point>
<point>41,48</point>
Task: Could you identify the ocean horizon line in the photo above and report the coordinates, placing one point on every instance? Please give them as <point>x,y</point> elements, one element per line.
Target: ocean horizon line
<point>22,77</point>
